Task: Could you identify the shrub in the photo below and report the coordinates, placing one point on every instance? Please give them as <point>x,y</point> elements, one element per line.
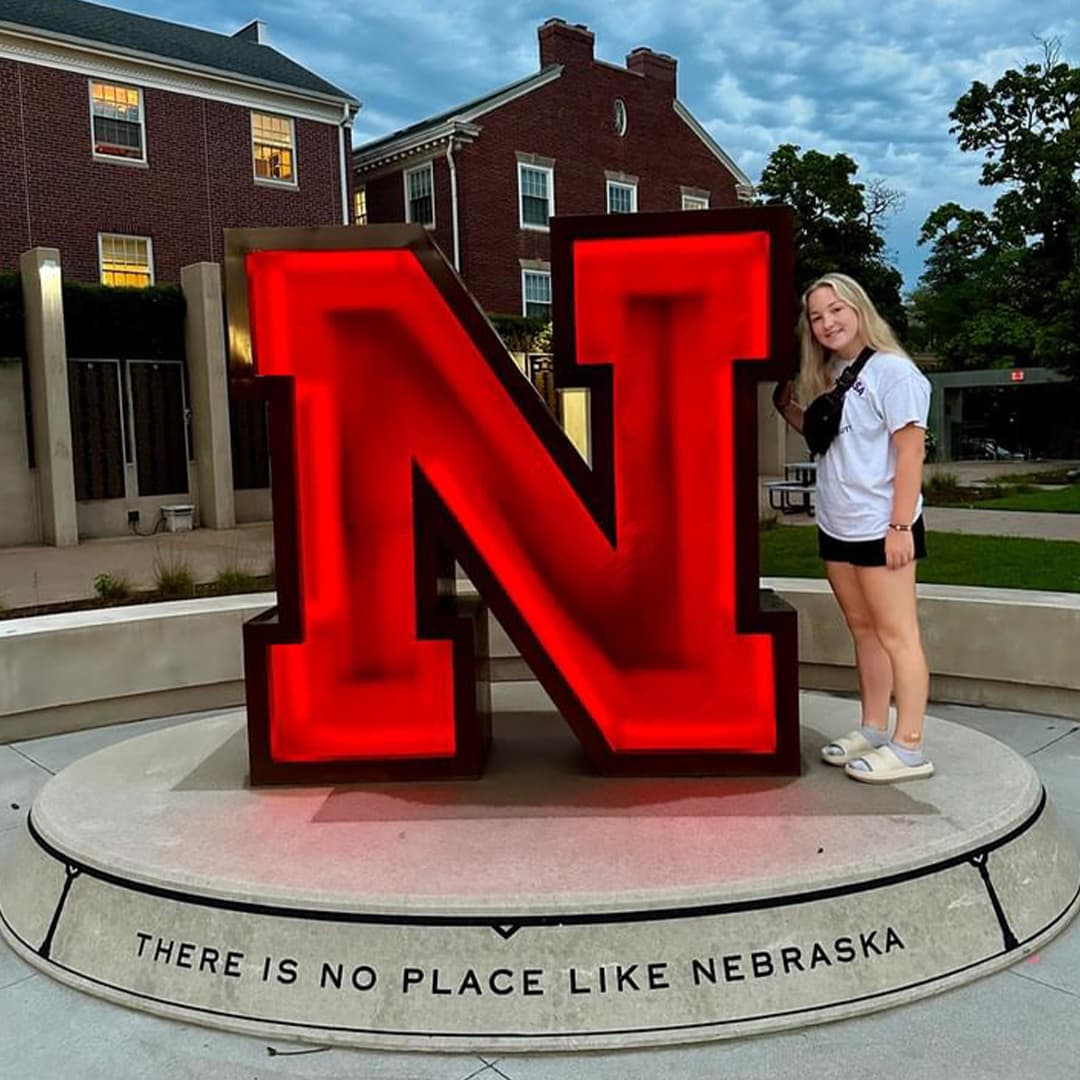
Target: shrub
<point>235,579</point>
<point>112,586</point>
<point>173,578</point>
<point>943,488</point>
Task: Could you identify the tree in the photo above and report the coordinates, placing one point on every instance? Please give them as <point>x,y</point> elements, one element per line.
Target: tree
<point>838,222</point>
<point>1004,288</point>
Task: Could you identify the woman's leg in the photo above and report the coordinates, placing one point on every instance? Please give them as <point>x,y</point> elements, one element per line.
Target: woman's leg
<point>890,599</point>
<point>871,660</point>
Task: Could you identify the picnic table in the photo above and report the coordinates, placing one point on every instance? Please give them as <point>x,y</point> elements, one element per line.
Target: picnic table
<point>795,493</point>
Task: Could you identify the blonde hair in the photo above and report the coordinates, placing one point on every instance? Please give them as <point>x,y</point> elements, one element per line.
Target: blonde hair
<point>813,357</point>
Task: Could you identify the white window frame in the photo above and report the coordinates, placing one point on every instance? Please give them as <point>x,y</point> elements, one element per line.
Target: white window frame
<point>550,173</point>
<point>116,159</point>
<point>526,271</point>
<point>270,181</point>
<point>360,204</point>
<point>125,236</point>
<point>626,185</point>
<point>620,117</point>
<point>695,202</point>
<point>429,167</point>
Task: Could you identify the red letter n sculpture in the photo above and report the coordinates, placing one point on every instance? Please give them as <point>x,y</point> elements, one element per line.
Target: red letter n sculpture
<point>404,438</point>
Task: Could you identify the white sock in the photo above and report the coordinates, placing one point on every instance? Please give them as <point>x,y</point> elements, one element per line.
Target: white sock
<point>908,757</point>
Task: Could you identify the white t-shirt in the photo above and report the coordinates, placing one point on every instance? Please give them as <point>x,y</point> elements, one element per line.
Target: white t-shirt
<point>855,475</point>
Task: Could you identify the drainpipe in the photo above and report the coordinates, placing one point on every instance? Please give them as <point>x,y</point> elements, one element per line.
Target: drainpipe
<point>346,124</point>
<point>453,200</point>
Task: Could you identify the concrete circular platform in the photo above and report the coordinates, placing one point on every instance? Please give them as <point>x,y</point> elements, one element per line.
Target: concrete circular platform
<point>540,907</point>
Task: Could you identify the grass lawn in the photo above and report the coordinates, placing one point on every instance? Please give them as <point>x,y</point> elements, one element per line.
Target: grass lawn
<point>1059,501</point>
<point>1000,562</point>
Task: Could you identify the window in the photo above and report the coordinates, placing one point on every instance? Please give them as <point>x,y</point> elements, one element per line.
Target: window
<point>360,206</point>
<point>116,122</point>
<point>126,260</point>
<point>536,293</point>
<point>620,117</point>
<point>273,148</point>
<point>695,202</point>
<point>420,195</point>
<point>536,192</point>
<point>621,197</point>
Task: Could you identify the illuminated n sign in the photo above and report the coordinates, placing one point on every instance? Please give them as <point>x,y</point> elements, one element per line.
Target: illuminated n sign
<point>404,438</point>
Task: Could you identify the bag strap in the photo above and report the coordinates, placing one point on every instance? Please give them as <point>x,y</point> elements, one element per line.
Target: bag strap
<point>851,372</point>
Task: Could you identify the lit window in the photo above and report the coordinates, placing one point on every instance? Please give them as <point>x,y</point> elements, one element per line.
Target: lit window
<point>695,202</point>
<point>536,195</point>
<point>536,293</point>
<point>360,206</point>
<point>126,260</point>
<point>272,148</point>
<point>420,195</point>
<point>116,121</point>
<point>621,198</point>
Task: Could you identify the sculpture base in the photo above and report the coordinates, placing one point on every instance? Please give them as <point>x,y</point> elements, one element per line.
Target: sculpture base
<point>539,908</point>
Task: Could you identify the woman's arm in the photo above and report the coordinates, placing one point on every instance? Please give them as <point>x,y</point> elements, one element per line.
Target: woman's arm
<point>910,443</point>
<point>787,406</point>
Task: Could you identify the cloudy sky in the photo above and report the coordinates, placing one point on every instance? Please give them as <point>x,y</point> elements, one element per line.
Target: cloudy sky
<point>874,80</point>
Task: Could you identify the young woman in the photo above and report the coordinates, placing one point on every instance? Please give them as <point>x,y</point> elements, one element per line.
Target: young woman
<point>870,530</point>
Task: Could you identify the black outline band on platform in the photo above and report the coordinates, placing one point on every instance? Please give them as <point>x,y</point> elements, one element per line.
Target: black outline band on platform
<point>507,925</point>
<point>523,1035</point>
<point>73,867</point>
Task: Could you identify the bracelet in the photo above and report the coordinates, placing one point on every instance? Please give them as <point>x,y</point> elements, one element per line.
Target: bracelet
<point>897,527</point>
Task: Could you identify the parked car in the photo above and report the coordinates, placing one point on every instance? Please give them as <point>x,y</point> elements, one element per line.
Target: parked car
<point>988,449</point>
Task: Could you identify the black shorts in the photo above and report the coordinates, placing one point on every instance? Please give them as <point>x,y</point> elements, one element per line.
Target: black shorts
<point>866,552</point>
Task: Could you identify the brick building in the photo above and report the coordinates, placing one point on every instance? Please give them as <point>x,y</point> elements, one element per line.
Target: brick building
<point>130,143</point>
<point>579,136</point>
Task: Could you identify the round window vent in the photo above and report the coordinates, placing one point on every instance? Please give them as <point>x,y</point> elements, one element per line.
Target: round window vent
<point>620,116</point>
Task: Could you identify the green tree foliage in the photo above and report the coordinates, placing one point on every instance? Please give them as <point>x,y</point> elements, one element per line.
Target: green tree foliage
<point>1003,288</point>
<point>838,222</point>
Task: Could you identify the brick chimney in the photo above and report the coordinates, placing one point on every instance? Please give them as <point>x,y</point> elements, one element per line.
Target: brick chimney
<point>561,43</point>
<point>254,31</point>
<point>658,67</point>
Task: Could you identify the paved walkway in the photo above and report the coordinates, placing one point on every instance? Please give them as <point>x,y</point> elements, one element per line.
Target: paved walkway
<point>46,575</point>
<point>1038,526</point>
<point>1019,1024</point>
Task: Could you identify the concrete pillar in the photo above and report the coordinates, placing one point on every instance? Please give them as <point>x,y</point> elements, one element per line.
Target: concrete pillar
<point>772,434</point>
<point>208,381</point>
<point>46,356</point>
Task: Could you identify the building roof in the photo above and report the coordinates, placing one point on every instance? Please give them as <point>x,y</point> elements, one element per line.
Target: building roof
<point>433,128</point>
<point>77,20</point>
<point>386,145</point>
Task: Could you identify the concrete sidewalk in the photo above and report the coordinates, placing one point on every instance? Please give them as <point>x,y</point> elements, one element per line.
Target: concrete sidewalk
<point>1035,526</point>
<point>49,575</point>
<point>1038,526</point>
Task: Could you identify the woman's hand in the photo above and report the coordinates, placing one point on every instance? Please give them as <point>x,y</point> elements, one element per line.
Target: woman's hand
<point>782,395</point>
<point>899,548</point>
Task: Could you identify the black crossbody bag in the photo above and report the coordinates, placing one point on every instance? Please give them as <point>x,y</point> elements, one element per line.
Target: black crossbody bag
<point>821,420</point>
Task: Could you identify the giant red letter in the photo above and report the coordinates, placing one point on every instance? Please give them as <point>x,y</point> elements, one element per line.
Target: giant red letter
<point>403,437</point>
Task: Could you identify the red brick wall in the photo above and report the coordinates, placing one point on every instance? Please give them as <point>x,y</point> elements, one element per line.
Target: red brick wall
<point>570,120</point>
<point>386,200</point>
<point>198,180</point>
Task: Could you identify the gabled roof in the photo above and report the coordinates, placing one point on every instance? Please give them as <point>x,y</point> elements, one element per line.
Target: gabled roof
<point>77,20</point>
<point>457,120</point>
<point>434,127</point>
